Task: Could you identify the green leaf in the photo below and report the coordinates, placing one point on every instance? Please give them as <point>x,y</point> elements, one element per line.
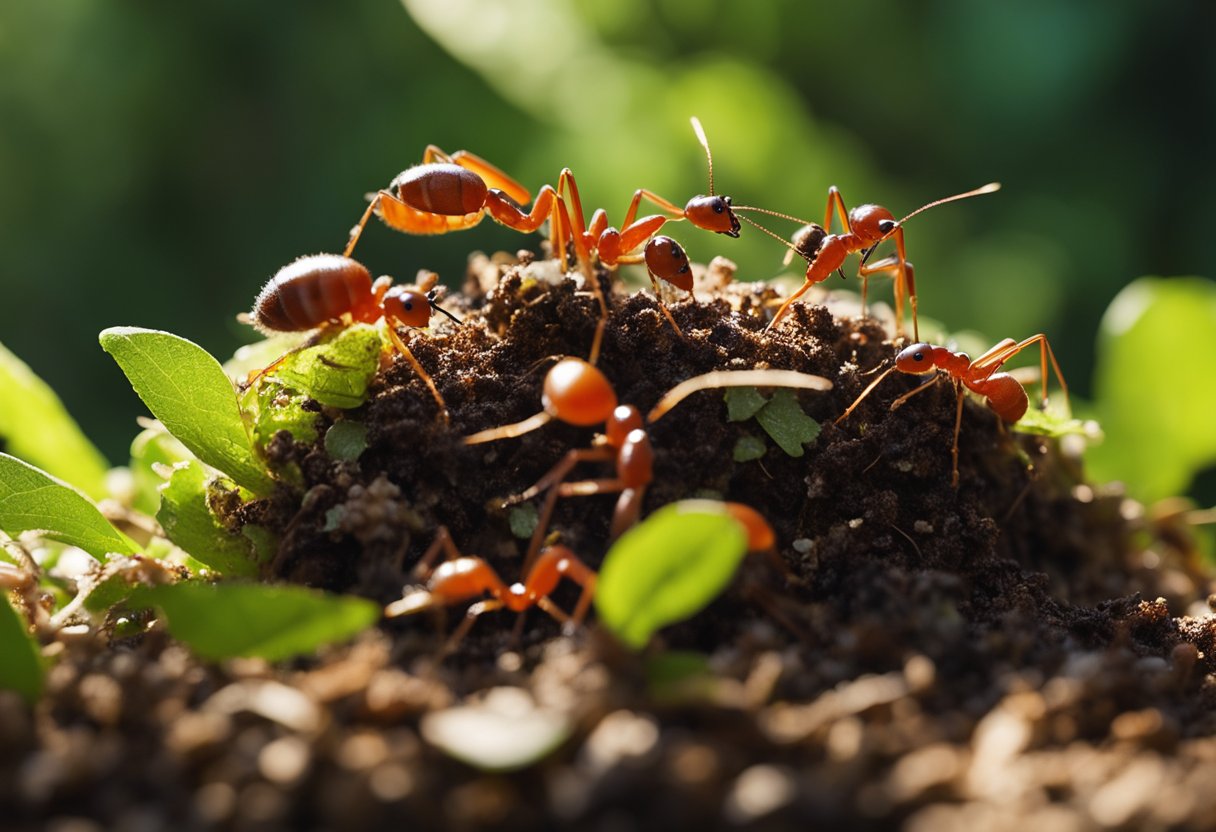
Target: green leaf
<point>346,440</point>
<point>1054,424</point>
<point>336,373</point>
<point>787,423</point>
<point>34,501</point>
<point>1155,392</point>
<point>21,665</point>
<point>189,523</point>
<point>742,403</point>
<point>151,448</point>
<point>187,390</point>
<point>282,408</point>
<point>35,426</point>
<point>749,448</point>
<point>668,568</point>
<point>220,621</point>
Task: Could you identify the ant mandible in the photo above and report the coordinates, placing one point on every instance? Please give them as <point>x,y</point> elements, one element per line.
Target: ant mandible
<point>577,393</point>
<point>464,577</point>
<point>863,229</point>
<point>315,289</point>
<point>1003,393</point>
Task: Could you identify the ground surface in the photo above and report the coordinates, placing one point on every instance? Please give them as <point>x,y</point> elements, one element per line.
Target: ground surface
<point>1016,650</point>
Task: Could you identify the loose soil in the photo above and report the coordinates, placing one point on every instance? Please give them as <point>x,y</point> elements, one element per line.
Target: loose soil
<point>1024,649</point>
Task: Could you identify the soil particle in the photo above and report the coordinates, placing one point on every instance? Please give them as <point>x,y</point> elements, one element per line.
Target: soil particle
<point>1011,652</point>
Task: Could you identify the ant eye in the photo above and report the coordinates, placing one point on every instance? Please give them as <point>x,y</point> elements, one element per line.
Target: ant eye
<point>719,207</point>
<point>409,305</point>
<point>886,226</point>
<point>920,356</point>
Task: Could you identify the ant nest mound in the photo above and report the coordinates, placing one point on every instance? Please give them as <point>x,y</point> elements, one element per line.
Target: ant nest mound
<point>866,517</point>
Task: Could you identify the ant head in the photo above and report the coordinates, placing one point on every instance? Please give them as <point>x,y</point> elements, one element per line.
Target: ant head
<point>666,258</point>
<point>712,213</point>
<point>409,306</point>
<point>871,223</point>
<point>578,393</point>
<point>624,419</point>
<point>916,359</point>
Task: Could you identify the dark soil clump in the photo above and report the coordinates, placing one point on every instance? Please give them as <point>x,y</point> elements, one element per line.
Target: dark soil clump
<point>1013,651</point>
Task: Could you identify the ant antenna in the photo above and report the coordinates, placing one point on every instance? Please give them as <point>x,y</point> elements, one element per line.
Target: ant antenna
<point>986,189</point>
<point>430,298</point>
<point>700,131</point>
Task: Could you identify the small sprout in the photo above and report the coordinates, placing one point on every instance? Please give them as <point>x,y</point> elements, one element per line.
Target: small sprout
<point>781,416</point>
<point>742,403</point>
<point>749,448</point>
<point>220,621</point>
<point>346,440</point>
<point>333,518</point>
<point>787,423</point>
<point>668,568</point>
<point>523,520</point>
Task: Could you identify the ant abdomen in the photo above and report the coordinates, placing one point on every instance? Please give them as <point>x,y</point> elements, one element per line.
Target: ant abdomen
<point>1006,396</point>
<point>312,290</point>
<point>441,188</point>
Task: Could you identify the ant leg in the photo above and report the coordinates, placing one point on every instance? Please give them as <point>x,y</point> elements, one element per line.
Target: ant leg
<point>898,403</point>
<point>835,200</point>
<point>905,282</point>
<point>788,303</point>
<point>504,211</point>
<point>665,204</point>
<point>391,328</point>
<point>434,153</point>
<point>550,481</point>
<point>470,618</point>
<point>509,431</point>
<point>566,184</point>
<point>958,423</point>
<point>408,219</point>
<point>658,296</point>
<point>561,489</point>
<point>634,259</point>
<point>442,543</point>
<point>555,563</point>
<point>1006,349</point>
<point>559,471</point>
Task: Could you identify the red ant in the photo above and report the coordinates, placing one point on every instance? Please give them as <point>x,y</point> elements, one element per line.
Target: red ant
<point>864,228</point>
<point>464,577</point>
<point>579,394</point>
<point>315,289</point>
<point>1003,393</point>
<point>451,193</point>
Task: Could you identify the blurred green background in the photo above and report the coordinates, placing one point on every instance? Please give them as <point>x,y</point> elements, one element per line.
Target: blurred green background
<point>158,162</point>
